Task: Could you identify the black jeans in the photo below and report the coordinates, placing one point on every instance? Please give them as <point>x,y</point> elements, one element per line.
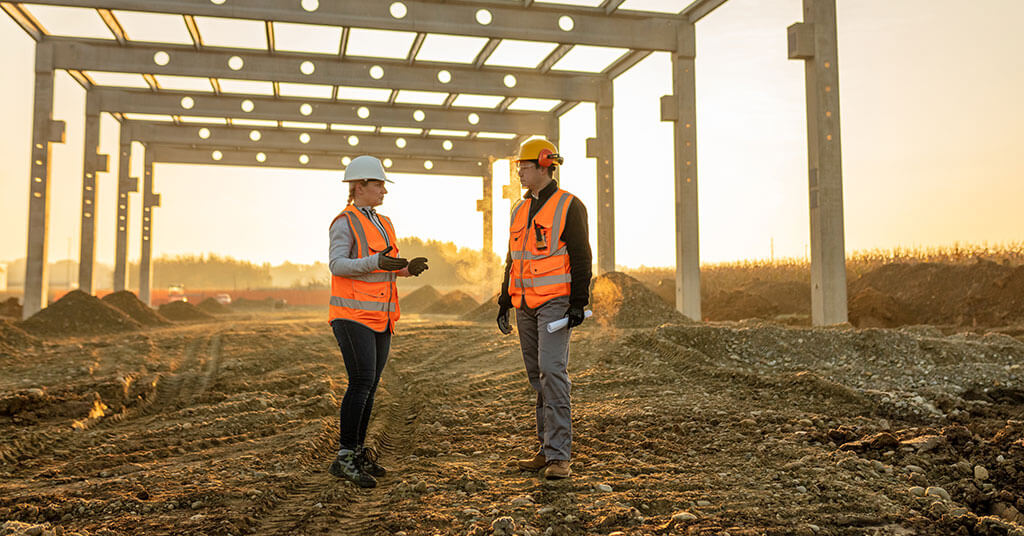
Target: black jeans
<point>365,352</point>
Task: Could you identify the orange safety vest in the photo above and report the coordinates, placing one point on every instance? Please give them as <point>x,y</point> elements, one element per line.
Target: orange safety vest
<point>370,299</point>
<point>540,261</point>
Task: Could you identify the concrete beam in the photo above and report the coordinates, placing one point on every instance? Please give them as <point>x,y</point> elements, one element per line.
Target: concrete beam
<point>681,109</point>
<point>537,22</point>
<point>125,185</point>
<point>603,150</point>
<point>36,277</point>
<point>337,143</point>
<point>291,160</point>
<point>149,201</point>
<point>92,163</point>
<point>700,9</point>
<point>486,206</point>
<point>101,55</point>
<point>817,47</point>
<point>141,101</point>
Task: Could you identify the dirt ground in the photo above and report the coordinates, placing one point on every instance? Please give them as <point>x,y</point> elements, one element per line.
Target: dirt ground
<point>739,428</point>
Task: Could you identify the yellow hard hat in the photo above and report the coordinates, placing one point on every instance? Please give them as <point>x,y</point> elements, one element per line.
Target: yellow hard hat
<point>541,150</point>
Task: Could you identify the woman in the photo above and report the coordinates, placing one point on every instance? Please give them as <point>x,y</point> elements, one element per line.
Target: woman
<point>364,264</point>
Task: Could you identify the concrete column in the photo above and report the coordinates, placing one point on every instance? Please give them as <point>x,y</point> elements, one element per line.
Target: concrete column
<point>602,148</point>
<point>485,206</point>
<point>149,202</point>
<point>681,109</point>
<point>92,163</point>
<point>125,185</point>
<point>44,132</point>
<point>815,42</point>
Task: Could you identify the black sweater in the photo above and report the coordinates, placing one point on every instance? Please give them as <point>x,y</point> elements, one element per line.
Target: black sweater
<point>576,236</point>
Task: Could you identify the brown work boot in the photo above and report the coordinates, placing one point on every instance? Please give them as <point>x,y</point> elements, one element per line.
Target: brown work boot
<point>533,464</point>
<point>557,469</point>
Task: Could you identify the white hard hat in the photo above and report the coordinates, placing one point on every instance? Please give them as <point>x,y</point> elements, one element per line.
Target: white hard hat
<point>365,167</point>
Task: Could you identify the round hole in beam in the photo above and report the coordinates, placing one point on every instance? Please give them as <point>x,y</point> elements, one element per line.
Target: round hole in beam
<point>217,155</point>
<point>510,80</point>
<point>376,72</point>
<point>353,140</point>
<point>447,145</point>
<point>565,23</point>
<point>444,76</point>
<point>261,157</point>
<point>161,58</point>
<point>483,17</point>
<point>307,67</point>
<point>345,160</point>
<point>306,108</point>
<point>473,118</point>
<point>187,103</point>
<point>388,163</point>
<point>363,112</point>
<point>218,2</point>
<point>428,165</point>
<point>418,115</point>
<point>204,133</point>
<point>235,63</point>
<point>248,105</point>
<point>310,5</point>
<point>303,159</point>
<point>255,135</point>
<point>304,137</point>
<point>400,143</point>
<point>398,10</point>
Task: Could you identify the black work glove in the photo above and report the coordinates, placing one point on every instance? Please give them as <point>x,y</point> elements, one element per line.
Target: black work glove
<point>575,316</point>
<point>503,323</point>
<point>391,264</point>
<point>418,265</point>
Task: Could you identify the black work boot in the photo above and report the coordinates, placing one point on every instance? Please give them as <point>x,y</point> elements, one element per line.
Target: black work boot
<point>347,466</point>
<point>366,457</point>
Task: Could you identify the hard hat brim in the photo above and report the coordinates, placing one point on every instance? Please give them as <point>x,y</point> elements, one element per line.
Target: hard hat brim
<point>367,179</point>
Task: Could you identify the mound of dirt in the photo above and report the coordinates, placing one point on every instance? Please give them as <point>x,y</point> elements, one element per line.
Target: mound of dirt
<point>78,313</point>
<point>621,301</point>
<point>1000,303</point>
<point>183,311</point>
<point>455,302</point>
<point>11,308</point>
<point>936,293</point>
<point>870,308</point>
<point>420,299</point>
<point>485,312</point>
<point>738,305</point>
<point>13,338</point>
<point>788,297</point>
<point>126,302</point>
<point>213,307</point>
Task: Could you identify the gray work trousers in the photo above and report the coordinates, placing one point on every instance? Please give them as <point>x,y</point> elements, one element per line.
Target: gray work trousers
<point>546,356</point>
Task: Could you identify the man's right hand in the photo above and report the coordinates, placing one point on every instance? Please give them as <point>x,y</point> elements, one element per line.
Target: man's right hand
<point>390,264</point>
<point>503,323</point>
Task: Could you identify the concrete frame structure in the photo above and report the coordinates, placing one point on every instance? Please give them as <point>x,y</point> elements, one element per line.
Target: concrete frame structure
<point>813,41</point>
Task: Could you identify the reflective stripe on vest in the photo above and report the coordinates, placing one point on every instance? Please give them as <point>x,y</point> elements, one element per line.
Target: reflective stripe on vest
<point>362,305</point>
<point>544,280</point>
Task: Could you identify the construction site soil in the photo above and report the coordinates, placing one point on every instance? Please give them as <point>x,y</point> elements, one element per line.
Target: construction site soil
<point>455,302</point>
<point>11,308</point>
<point>420,299</point>
<point>78,313</point>
<point>739,428</point>
<point>214,307</point>
<point>126,302</point>
<point>184,312</point>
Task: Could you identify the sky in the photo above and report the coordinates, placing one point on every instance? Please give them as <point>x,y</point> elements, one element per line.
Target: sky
<point>931,120</point>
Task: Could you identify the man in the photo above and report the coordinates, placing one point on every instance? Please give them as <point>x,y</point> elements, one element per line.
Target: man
<point>547,277</point>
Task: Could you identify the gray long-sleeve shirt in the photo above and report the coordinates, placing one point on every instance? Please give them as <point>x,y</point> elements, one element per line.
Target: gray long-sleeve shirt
<point>344,257</point>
